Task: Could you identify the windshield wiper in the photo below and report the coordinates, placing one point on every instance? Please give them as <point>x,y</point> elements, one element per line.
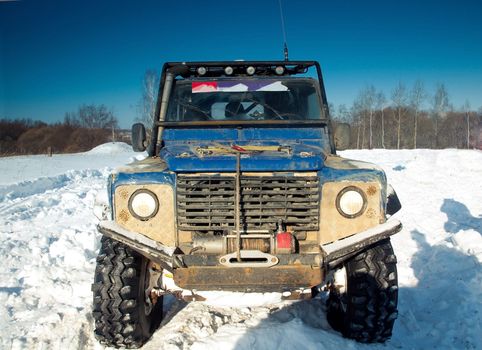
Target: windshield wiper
<point>278,114</point>
<point>193,107</point>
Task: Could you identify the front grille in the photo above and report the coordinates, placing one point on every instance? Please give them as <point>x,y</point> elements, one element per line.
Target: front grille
<point>206,203</point>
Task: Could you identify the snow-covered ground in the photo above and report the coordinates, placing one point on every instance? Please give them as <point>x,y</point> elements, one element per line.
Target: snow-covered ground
<point>48,245</point>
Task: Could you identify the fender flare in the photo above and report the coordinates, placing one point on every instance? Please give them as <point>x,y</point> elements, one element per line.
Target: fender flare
<point>393,203</point>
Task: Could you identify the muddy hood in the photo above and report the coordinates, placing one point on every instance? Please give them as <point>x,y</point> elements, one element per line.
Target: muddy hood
<point>260,150</point>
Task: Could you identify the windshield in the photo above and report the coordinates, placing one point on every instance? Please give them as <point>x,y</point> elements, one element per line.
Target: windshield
<point>244,99</point>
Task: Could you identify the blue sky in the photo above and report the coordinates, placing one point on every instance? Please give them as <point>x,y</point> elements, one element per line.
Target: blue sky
<point>57,55</point>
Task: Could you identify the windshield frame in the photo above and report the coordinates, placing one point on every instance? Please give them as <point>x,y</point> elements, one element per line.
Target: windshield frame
<point>189,69</point>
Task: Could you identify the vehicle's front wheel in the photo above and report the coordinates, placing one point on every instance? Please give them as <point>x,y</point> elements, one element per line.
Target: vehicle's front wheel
<point>362,304</point>
<point>123,315</point>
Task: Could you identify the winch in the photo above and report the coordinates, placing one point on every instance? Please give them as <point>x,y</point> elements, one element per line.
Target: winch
<point>261,240</point>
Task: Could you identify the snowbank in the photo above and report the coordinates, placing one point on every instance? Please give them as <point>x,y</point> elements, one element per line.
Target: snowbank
<point>48,245</point>
<point>15,170</point>
<point>111,148</point>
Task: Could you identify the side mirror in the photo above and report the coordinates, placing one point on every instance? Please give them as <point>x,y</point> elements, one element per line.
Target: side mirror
<point>342,136</point>
<point>138,137</point>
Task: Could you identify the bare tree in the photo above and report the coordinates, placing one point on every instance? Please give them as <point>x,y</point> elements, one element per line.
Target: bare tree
<point>70,119</point>
<point>467,117</point>
<point>364,105</point>
<point>343,114</point>
<point>370,98</point>
<point>147,103</point>
<point>91,117</point>
<point>380,105</point>
<point>331,108</point>
<point>417,95</point>
<point>440,105</point>
<point>399,101</point>
<point>357,116</point>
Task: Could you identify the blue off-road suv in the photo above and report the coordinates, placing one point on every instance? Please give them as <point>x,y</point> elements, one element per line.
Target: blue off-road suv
<point>242,190</point>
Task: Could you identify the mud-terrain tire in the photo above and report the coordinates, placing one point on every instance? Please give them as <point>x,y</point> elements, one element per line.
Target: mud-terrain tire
<point>119,309</point>
<point>366,308</point>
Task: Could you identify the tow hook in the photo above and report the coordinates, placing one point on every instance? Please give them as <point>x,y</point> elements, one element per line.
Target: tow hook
<point>152,291</point>
<point>155,294</point>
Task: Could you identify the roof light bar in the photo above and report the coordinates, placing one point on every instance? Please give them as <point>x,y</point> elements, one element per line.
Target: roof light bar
<point>201,70</point>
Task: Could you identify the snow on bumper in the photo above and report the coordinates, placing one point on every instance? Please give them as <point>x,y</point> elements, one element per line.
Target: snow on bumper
<point>342,249</point>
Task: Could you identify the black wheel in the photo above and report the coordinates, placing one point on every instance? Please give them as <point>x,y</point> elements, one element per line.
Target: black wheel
<point>123,314</point>
<point>362,304</point>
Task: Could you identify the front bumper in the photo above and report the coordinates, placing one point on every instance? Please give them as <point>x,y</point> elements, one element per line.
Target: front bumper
<point>338,251</point>
<point>202,275</point>
<point>249,279</point>
<point>151,249</point>
<point>202,272</point>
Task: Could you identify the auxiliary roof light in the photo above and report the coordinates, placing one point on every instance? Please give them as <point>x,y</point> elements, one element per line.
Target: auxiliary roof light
<point>279,70</point>
<point>201,70</point>
<point>228,70</point>
<point>250,70</point>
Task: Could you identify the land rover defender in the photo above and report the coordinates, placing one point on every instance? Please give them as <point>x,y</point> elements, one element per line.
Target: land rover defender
<point>242,190</point>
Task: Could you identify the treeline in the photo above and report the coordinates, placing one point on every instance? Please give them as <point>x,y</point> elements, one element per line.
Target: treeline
<point>410,118</point>
<point>89,126</point>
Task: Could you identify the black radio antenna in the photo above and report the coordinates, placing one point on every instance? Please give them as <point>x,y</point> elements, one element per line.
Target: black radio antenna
<point>285,49</point>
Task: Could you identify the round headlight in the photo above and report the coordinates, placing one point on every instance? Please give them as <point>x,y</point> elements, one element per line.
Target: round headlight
<point>351,202</point>
<point>143,204</point>
<point>250,70</point>
<point>228,70</point>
